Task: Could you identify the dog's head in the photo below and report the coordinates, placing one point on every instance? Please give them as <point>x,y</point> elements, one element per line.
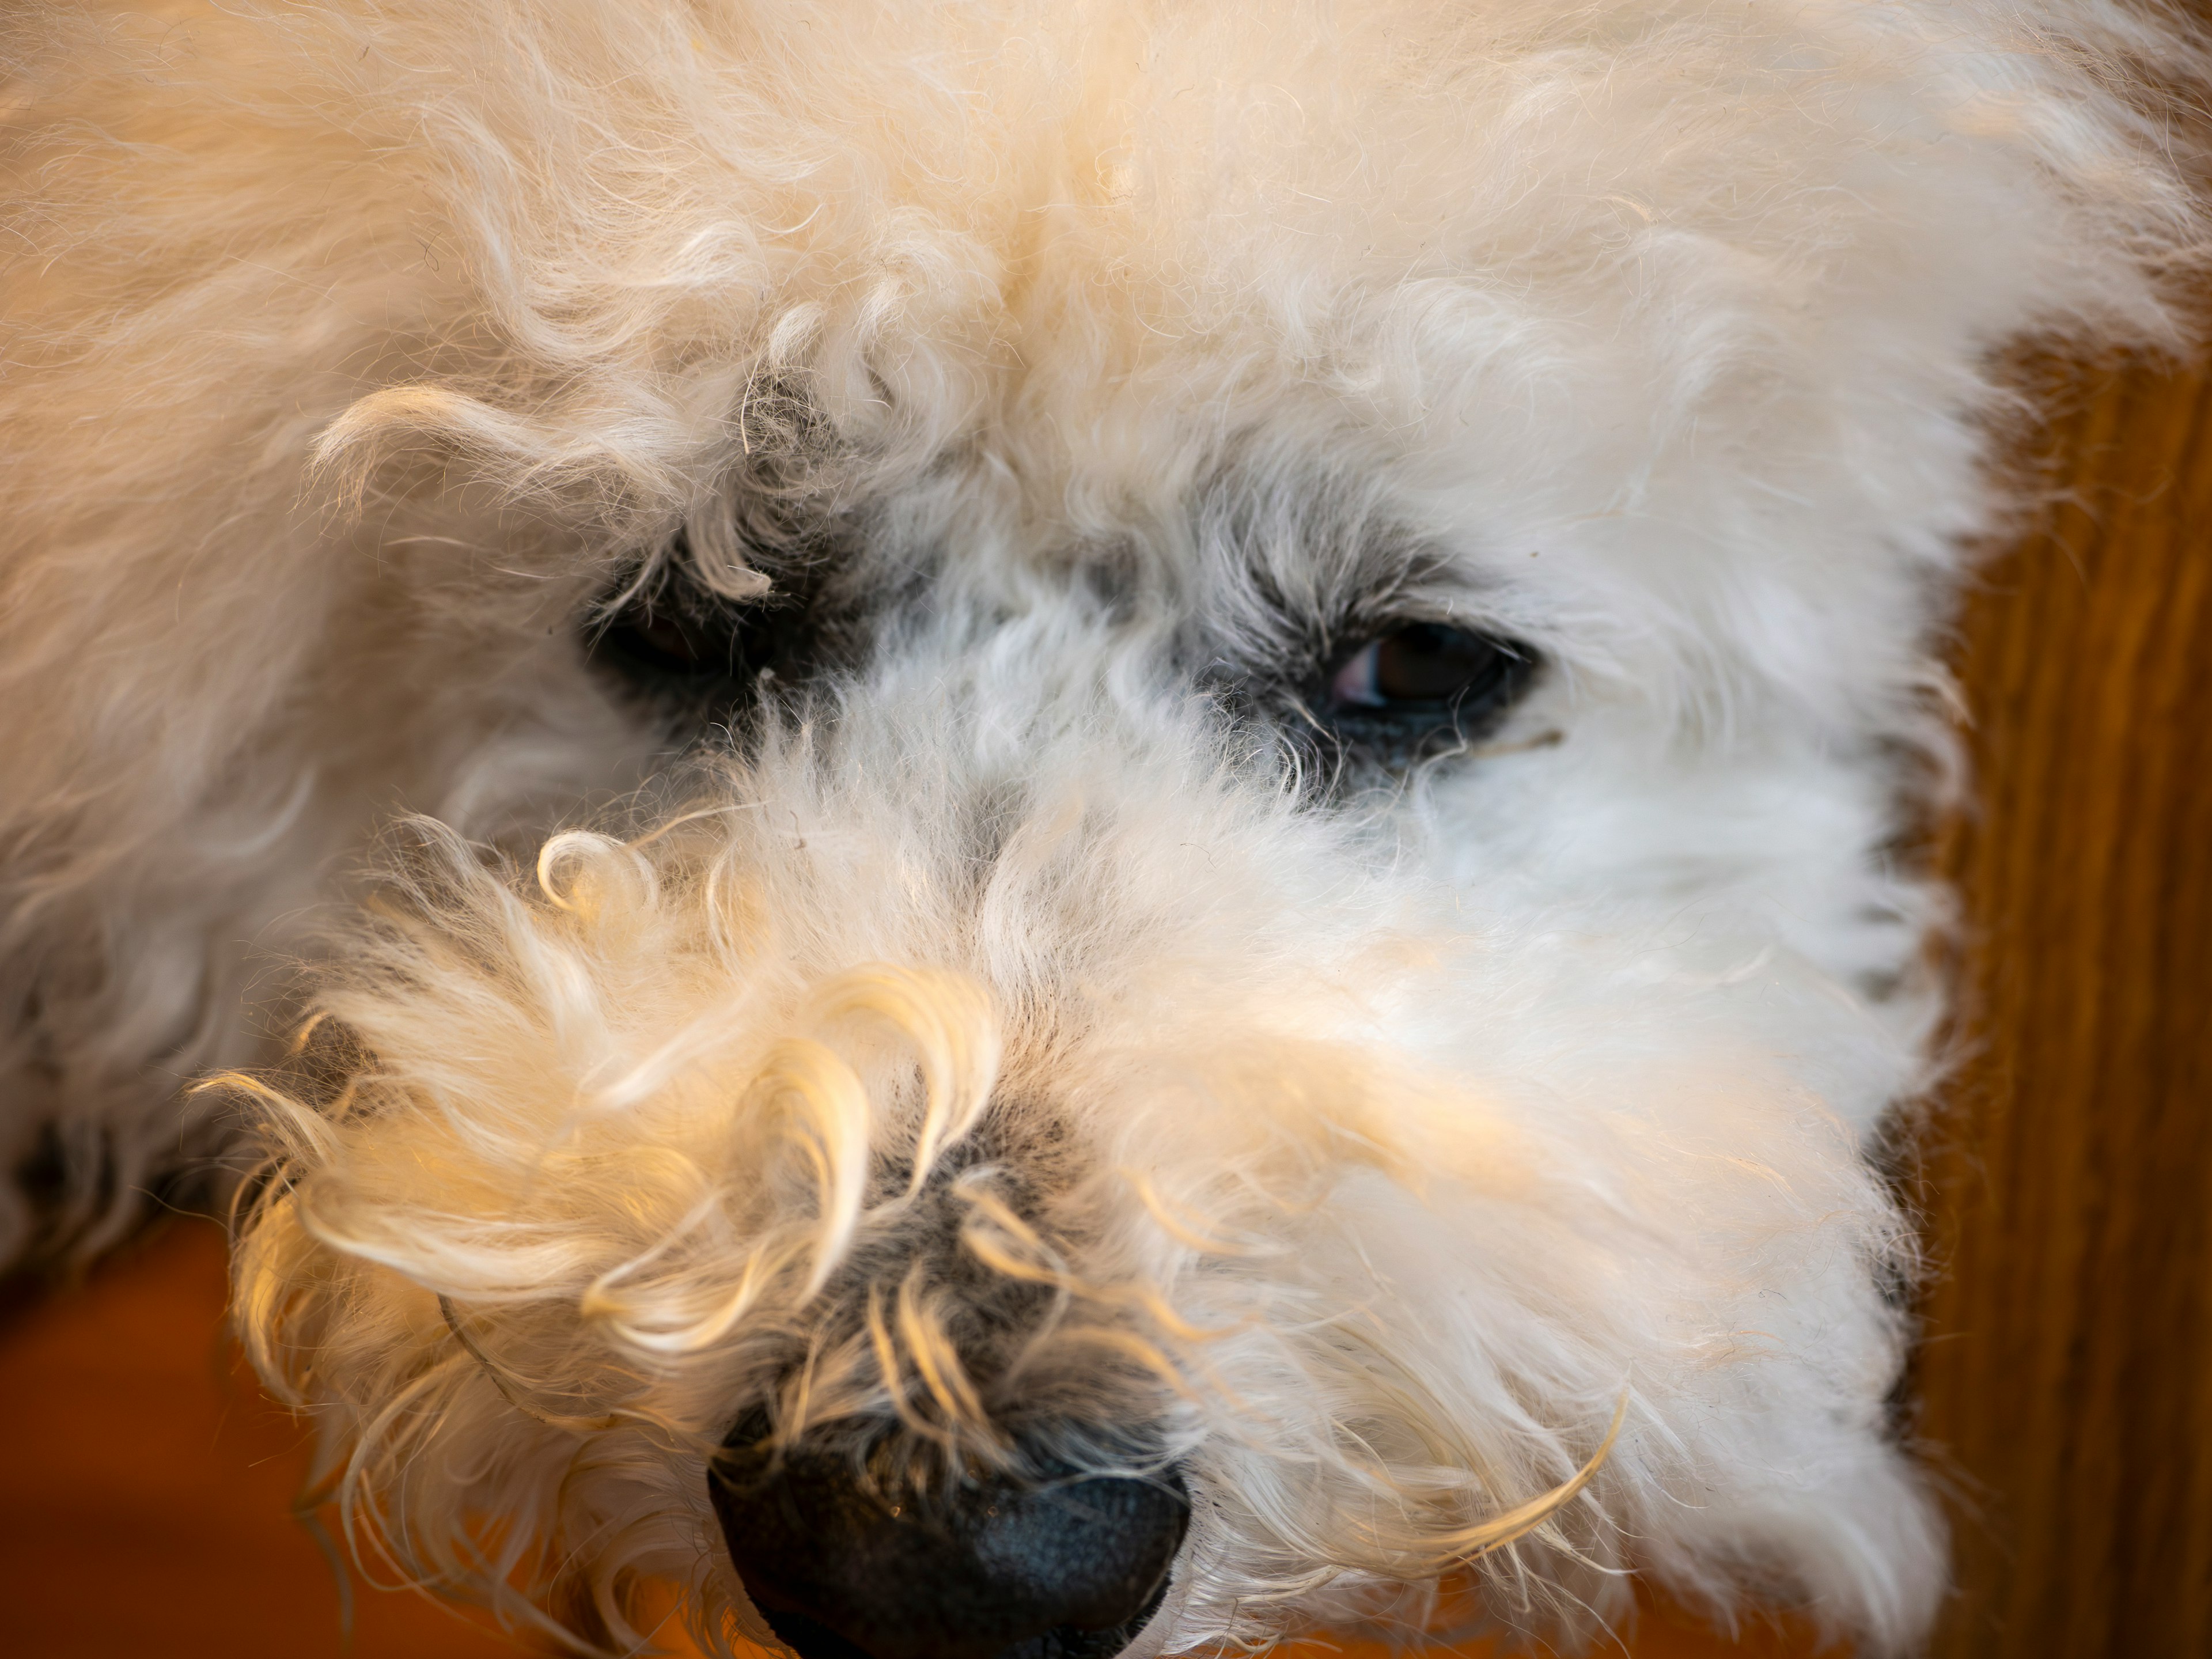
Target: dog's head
<point>1156,751</point>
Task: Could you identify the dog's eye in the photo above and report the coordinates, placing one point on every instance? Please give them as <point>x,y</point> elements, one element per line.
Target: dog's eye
<point>1423,680</point>
<point>656,642</point>
<point>691,652</point>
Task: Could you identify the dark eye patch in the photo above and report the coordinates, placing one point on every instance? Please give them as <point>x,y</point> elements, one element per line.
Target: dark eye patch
<point>667,641</point>
<point>659,640</point>
<point>1321,616</point>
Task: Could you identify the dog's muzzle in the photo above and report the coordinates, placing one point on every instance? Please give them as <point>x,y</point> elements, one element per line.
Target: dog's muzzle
<point>1065,1566</point>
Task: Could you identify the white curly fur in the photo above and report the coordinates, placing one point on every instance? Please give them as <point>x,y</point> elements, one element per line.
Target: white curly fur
<point>1461,1165</point>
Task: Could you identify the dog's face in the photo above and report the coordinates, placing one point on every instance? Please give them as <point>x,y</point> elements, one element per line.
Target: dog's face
<point>1158,750</point>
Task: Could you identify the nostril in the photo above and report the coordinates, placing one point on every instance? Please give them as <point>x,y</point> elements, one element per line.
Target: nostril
<point>1068,1567</point>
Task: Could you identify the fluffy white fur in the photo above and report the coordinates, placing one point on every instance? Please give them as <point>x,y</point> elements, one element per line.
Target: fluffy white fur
<point>1386,1141</point>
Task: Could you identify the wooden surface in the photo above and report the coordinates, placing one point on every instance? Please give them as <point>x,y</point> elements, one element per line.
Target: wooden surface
<point>146,1486</point>
<point>2068,1369</point>
<point>2067,1362</point>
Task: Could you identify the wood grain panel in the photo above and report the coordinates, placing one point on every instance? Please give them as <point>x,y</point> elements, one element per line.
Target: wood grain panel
<point>2066,1370</point>
<point>146,1487</point>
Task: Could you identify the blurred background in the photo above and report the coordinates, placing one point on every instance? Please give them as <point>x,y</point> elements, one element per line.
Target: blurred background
<point>2063,1387</point>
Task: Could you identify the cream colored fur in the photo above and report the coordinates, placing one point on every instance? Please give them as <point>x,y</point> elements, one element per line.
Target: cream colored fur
<point>1383,1141</point>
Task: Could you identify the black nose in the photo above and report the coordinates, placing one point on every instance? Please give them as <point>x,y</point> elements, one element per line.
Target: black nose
<point>846,1565</point>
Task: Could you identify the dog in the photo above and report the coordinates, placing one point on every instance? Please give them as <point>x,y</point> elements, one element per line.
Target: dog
<point>1032,829</point>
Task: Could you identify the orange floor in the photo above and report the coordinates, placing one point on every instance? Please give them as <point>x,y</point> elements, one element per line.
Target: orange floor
<point>144,1491</point>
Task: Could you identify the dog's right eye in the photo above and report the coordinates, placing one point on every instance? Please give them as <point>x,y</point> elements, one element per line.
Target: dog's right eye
<point>646,641</point>
<point>691,653</point>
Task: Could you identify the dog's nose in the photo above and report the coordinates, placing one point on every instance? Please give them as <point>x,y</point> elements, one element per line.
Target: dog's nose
<point>1068,1566</point>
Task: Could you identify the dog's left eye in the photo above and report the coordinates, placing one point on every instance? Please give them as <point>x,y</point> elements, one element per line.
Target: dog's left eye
<point>1422,680</point>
